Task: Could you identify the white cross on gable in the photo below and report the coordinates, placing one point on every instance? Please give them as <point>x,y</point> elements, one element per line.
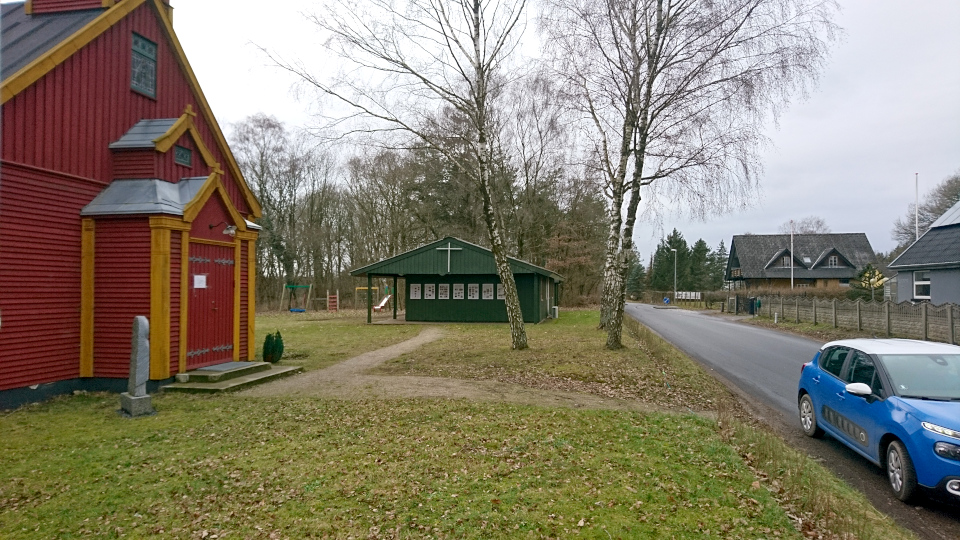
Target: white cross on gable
<point>448,249</point>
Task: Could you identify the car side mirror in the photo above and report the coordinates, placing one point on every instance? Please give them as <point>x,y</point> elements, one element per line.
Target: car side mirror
<point>859,389</point>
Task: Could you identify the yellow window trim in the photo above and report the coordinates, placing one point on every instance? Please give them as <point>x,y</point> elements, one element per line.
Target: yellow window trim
<point>184,125</point>
<point>32,72</point>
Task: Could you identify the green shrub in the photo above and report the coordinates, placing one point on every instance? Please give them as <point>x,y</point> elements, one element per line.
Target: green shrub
<point>273,348</point>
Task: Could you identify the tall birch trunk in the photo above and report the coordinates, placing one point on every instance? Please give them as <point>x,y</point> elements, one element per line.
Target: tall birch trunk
<point>518,335</point>
<point>617,178</point>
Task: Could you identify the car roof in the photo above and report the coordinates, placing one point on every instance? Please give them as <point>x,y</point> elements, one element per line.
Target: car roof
<point>895,346</point>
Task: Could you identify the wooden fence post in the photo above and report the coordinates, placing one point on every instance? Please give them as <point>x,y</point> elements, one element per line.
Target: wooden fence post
<point>798,309</point>
<point>923,319</point>
<point>886,309</point>
<point>835,313</point>
<point>859,318</point>
<point>951,332</point>
<point>814,311</point>
<point>782,314</point>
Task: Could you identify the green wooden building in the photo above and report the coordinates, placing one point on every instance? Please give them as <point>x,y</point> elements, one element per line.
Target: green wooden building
<point>452,280</point>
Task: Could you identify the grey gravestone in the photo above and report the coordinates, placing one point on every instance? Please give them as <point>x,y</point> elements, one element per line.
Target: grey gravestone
<point>135,401</point>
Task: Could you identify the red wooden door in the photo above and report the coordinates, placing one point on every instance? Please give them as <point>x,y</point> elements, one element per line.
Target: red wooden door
<point>210,307</point>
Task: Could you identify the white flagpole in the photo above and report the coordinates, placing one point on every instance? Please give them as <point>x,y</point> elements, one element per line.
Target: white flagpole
<point>791,254</point>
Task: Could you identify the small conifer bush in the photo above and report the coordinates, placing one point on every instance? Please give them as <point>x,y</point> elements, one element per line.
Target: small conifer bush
<point>273,348</point>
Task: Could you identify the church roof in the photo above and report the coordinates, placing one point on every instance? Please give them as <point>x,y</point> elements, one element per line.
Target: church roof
<point>144,196</point>
<point>449,256</point>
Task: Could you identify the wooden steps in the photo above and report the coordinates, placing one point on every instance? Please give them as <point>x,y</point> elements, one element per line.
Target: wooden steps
<point>229,376</point>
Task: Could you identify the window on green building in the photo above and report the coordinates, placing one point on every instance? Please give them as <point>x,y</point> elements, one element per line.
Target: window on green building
<point>143,72</point>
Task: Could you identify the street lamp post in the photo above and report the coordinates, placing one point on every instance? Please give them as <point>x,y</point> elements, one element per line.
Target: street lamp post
<point>674,250</point>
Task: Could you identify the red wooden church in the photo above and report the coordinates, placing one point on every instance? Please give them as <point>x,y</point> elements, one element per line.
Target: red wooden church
<point>118,197</point>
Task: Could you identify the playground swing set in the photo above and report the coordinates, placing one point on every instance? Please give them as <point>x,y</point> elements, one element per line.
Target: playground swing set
<point>298,297</point>
<point>297,302</point>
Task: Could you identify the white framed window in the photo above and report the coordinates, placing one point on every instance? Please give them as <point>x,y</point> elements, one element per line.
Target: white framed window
<point>833,261</point>
<point>921,284</point>
<point>786,261</point>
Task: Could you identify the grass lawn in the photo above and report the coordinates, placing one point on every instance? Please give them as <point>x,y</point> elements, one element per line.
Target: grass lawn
<point>239,467</point>
<point>822,332</point>
<point>565,354</point>
<point>317,340</point>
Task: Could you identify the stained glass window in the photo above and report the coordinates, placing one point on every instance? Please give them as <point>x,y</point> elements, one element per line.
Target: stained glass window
<point>183,156</point>
<point>143,73</point>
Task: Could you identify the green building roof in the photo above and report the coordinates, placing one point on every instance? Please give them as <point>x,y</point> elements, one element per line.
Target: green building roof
<point>451,256</point>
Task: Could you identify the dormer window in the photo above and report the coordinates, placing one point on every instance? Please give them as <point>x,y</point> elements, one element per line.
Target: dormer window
<point>143,66</point>
<point>833,261</point>
<point>786,261</point>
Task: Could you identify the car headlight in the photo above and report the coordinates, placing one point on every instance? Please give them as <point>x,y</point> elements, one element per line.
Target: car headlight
<point>946,432</point>
<point>947,450</point>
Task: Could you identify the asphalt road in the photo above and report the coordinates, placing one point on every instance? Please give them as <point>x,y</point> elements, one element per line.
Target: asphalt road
<point>763,367</point>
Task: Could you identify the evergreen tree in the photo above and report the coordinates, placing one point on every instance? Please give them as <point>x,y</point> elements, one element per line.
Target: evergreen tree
<point>718,266</point>
<point>699,275</point>
<point>637,277</point>
<point>662,272</point>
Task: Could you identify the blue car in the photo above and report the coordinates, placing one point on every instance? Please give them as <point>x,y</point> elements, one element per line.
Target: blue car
<point>896,402</point>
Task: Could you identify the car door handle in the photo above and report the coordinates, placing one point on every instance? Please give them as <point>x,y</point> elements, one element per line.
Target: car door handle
<point>816,379</point>
<point>841,395</point>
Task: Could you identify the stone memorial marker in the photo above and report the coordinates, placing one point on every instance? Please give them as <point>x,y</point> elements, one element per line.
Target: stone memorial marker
<point>135,401</point>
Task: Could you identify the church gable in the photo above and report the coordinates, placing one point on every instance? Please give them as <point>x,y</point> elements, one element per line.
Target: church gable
<point>126,60</point>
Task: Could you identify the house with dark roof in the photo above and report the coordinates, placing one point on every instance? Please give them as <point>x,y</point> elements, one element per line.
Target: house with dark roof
<point>824,261</point>
<point>452,280</point>
<point>929,270</point>
<point>120,198</point>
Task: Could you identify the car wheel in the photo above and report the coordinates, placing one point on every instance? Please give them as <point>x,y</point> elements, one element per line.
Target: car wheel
<point>903,478</point>
<point>808,418</point>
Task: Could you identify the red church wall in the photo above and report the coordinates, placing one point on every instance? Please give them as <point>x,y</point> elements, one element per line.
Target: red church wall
<point>121,289</point>
<point>67,119</point>
<point>213,213</point>
<point>149,163</point>
<point>134,164</point>
<point>54,141</point>
<point>244,301</point>
<point>172,171</point>
<point>40,274</point>
<point>176,270</point>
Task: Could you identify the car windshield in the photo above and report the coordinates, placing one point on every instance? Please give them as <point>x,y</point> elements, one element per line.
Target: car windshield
<point>925,376</point>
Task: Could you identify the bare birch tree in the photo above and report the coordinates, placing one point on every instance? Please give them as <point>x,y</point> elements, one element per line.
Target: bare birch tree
<point>678,93</point>
<point>404,62</point>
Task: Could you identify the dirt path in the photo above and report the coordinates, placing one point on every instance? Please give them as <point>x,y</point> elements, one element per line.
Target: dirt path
<point>348,380</point>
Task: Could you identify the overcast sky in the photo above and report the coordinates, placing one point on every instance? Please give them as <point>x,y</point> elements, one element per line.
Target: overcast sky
<point>887,107</point>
